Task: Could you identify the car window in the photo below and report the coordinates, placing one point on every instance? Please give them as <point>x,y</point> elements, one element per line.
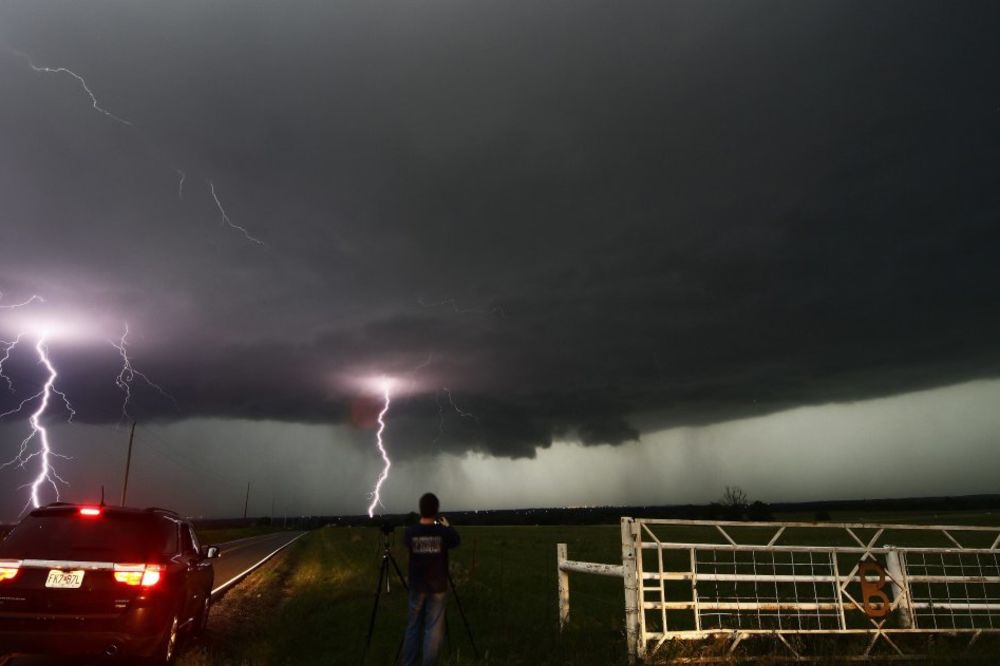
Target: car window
<point>194,538</point>
<point>187,542</point>
<point>169,531</point>
<point>110,537</point>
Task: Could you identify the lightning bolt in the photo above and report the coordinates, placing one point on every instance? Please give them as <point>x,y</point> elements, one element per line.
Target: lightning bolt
<point>97,107</point>
<point>228,222</point>
<point>453,304</point>
<point>423,364</point>
<point>451,401</point>
<point>47,474</point>
<point>376,493</point>
<point>79,79</point>
<point>35,298</point>
<point>128,375</point>
<point>8,347</point>
<point>454,405</point>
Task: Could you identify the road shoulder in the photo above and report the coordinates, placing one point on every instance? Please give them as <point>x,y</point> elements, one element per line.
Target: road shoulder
<point>239,617</point>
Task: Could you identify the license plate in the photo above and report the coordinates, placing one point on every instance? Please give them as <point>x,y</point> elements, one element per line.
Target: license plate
<point>64,579</point>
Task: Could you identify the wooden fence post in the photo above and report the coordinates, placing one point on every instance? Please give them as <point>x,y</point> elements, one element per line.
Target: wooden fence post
<point>631,576</point>
<point>563,586</point>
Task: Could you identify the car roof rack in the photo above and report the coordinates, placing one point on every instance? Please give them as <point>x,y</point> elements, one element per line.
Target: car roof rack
<point>156,509</point>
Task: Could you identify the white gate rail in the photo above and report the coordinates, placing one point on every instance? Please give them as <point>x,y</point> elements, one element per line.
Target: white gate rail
<point>564,566</point>
<point>687,581</point>
<point>626,571</point>
<point>701,579</point>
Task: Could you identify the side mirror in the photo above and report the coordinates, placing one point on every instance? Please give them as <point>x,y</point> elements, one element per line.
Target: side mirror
<point>212,552</point>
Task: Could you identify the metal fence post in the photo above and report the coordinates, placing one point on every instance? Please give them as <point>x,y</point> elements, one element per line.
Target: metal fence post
<point>563,585</point>
<point>631,577</point>
<point>900,586</point>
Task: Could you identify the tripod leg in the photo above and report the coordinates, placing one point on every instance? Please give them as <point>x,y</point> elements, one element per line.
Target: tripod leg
<point>382,571</point>
<point>447,633</point>
<point>465,620</point>
<point>402,579</point>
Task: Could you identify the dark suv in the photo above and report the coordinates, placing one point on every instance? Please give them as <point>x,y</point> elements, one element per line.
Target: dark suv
<point>102,580</point>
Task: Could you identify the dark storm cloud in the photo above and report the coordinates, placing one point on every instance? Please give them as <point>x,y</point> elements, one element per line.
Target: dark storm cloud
<point>586,216</point>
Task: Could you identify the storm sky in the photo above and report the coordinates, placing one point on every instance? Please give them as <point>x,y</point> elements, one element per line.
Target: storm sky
<point>706,243</point>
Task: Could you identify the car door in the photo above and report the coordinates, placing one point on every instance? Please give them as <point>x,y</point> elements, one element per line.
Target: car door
<point>206,569</point>
<point>200,575</point>
<point>191,557</point>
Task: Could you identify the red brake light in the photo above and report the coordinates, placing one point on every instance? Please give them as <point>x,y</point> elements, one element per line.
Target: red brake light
<point>90,511</point>
<point>145,575</point>
<point>9,569</point>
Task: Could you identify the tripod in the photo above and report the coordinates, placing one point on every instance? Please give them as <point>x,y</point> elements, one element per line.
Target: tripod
<point>383,575</point>
<point>465,620</point>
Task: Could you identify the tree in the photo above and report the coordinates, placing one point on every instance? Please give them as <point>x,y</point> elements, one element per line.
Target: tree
<point>759,512</point>
<point>735,503</point>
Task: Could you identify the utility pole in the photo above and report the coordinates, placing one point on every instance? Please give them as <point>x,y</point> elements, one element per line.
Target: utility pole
<point>272,508</point>
<point>246,502</point>
<point>128,463</point>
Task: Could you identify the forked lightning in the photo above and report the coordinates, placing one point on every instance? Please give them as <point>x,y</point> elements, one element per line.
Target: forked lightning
<point>128,374</point>
<point>47,474</point>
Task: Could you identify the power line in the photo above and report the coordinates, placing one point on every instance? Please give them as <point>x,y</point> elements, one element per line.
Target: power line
<point>163,451</point>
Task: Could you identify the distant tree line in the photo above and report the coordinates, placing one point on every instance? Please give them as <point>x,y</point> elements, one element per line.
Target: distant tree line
<point>733,505</point>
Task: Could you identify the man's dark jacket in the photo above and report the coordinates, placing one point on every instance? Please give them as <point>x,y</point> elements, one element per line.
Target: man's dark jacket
<point>428,546</point>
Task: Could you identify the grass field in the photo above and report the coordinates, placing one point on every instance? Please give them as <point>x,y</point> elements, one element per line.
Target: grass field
<point>312,604</point>
<point>216,536</point>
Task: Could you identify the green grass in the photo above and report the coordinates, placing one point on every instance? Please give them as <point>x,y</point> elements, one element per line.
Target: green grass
<point>212,537</point>
<point>317,601</point>
<point>907,517</point>
<point>312,605</point>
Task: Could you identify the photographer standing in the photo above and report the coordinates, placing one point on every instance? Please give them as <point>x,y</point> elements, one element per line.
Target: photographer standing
<point>428,542</point>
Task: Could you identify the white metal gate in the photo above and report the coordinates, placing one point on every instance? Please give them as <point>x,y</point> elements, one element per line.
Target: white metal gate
<point>701,579</point>
<point>704,587</point>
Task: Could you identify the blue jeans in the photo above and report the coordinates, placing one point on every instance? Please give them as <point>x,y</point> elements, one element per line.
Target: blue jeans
<point>426,607</point>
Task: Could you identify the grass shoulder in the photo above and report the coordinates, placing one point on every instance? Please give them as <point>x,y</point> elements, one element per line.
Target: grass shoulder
<point>222,535</point>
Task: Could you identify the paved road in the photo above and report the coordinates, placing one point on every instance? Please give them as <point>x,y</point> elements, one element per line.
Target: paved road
<point>239,558</point>
<point>242,555</point>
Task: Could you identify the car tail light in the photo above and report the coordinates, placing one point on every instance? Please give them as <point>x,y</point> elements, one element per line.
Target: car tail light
<point>144,575</point>
<point>9,569</point>
<point>150,577</point>
<point>90,511</point>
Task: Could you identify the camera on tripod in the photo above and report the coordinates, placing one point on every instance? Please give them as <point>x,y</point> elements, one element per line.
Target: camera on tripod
<point>388,565</point>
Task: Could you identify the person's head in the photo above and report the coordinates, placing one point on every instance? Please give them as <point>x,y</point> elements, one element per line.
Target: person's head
<point>429,505</point>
